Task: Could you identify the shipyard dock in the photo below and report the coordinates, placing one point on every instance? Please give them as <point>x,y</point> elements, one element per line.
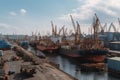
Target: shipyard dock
<point>43,70</point>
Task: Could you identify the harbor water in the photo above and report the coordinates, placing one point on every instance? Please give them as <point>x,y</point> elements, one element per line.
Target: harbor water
<point>72,67</point>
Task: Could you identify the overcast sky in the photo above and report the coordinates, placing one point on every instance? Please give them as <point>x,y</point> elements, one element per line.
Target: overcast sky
<point>27,16</point>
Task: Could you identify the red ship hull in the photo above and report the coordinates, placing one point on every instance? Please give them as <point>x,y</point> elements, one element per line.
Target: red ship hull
<point>47,48</point>
<point>83,55</point>
<point>96,59</point>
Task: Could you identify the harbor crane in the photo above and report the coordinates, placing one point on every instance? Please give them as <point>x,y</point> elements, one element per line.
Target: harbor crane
<point>76,30</point>
<point>112,26</point>
<point>96,24</point>
<point>119,25</point>
<point>73,23</point>
<point>101,28</point>
<point>55,31</point>
<point>116,33</point>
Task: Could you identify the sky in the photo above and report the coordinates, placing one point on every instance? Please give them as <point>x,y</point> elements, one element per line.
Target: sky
<point>27,16</point>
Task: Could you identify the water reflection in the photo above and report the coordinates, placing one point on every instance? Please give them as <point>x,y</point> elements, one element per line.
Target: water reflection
<point>73,68</point>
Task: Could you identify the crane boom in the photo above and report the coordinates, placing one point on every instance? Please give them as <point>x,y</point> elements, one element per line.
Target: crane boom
<point>65,31</point>
<point>61,30</point>
<point>70,32</point>
<point>105,26</point>
<point>78,28</point>
<point>73,23</point>
<point>52,28</point>
<point>55,30</point>
<point>112,25</point>
<point>109,27</point>
<point>119,24</point>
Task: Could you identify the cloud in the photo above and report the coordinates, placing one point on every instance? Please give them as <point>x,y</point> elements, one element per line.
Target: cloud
<point>89,7</point>
<point>8,29</point>
<point>12,13</point>
<point>3,25</point>
<point>23,11</point>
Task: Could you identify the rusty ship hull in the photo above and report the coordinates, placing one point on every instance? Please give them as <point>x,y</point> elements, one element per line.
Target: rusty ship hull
<point>47,49</point>
<point>72,53</point>
<point>84,55</point>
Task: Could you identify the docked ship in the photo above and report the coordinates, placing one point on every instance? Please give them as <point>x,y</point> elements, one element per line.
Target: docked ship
<point>4,45</point>
<point>90,49</point>
<point>94,48</point>
<point>94,55</point>
<point>90,55</point>
<point>84,55</point>
<point>47,46</point>
<point>69,51</point>
<point>47,49</point>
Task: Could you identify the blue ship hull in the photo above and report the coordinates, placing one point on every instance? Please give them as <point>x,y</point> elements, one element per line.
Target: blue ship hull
<point>4,45</point>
